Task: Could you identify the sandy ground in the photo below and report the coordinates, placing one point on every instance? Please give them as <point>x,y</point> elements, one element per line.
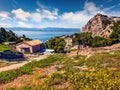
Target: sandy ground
<point>18,65</point>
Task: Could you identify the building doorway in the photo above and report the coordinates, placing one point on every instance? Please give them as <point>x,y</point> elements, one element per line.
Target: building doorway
<point>25,50</point>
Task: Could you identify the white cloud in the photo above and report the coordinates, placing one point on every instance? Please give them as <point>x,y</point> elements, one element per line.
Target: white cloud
<point>43,17</point>
<point>50,15</point>
<point>36,17</point>
<point>4,15</point>
<point>41,5</point>
<point>23,24</point>
<point>46,13</point>
<point>38,10</point>
<point>75,20</point>
<point>91,8</point>
<point>113,13</point>
<point>80,18</point>
<point>67,19</point>
<point>39,15</point>
<point>21,14</point>
<point>109,8</point>
<point>2,24</point>
<point>77,17</point>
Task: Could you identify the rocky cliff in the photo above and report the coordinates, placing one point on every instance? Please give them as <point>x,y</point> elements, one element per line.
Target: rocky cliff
<point>101,25</point>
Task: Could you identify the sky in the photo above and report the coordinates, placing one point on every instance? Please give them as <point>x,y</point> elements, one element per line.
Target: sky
<point>54,13</point>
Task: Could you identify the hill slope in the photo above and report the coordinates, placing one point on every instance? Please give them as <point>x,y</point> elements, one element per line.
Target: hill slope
<point>10,36</point>
<point>98,71</point>
<point>101,25</point>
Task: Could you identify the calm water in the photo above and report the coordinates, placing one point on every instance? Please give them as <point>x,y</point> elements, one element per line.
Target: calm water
<point>45,35</point>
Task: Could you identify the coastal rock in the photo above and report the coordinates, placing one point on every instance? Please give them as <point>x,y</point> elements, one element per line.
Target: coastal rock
<point>100,25</point>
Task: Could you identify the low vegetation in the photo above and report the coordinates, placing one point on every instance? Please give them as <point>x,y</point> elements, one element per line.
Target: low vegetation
<point>115,36</point>
<point>4,47</point>
<point>10,36</point>
<point>98,41</point>
<point>56,43</point>
<point>96,72</point>
<point>8,76</point>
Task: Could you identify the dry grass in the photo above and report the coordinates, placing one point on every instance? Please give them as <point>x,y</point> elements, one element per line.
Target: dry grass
<point>96,71</point>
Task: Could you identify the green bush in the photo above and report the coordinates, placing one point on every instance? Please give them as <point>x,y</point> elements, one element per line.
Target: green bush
<point>115,35</point>
<point>10,88</point>
<point>56,43</point>
<point>87,36</point>
<point>4,47</point>
<point>96,41</point>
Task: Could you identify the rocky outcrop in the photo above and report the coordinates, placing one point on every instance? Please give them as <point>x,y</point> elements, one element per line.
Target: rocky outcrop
<point>68,41</point>
<point>100,25</point>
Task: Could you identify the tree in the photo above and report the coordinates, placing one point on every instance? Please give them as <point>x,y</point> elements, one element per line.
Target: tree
<point>11,33</point>
<point>56,43</point>
<point>81,42</point>
<point>11,39</point>
<point>24,36</point>
<point>115,35</point>
<point>8,36</point>
<point>86,36</point>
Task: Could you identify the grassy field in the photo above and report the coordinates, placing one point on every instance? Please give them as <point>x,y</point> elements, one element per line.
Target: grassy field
<point>4,47</point>
<point>96,72</point>
<point>8,76</point>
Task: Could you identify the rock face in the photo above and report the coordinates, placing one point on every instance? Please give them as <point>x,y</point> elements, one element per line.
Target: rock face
<point>100,25</point>
<point>68,41</point>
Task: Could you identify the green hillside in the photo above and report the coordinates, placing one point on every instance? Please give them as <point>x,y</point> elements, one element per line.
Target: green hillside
<point>4,47</point>
<point>60,72</point>
<point>10,36</point>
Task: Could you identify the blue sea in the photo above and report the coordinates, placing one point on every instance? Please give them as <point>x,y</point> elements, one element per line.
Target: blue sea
<point>44,34</point>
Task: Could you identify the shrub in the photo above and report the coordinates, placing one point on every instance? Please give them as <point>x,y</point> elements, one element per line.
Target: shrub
<point>56,43</point>
<point>4,47</point>
<point>115,35</point>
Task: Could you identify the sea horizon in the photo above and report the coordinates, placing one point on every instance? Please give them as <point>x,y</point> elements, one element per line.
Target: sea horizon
<point>44,34</point>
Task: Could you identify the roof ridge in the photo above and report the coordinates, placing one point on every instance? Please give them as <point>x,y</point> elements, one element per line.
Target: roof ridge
<point>33,42</point>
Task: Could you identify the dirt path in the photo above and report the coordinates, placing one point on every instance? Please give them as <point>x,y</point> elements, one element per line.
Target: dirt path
<point>18,65</point>
<point>89,51</point>
<point>14,66</point>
